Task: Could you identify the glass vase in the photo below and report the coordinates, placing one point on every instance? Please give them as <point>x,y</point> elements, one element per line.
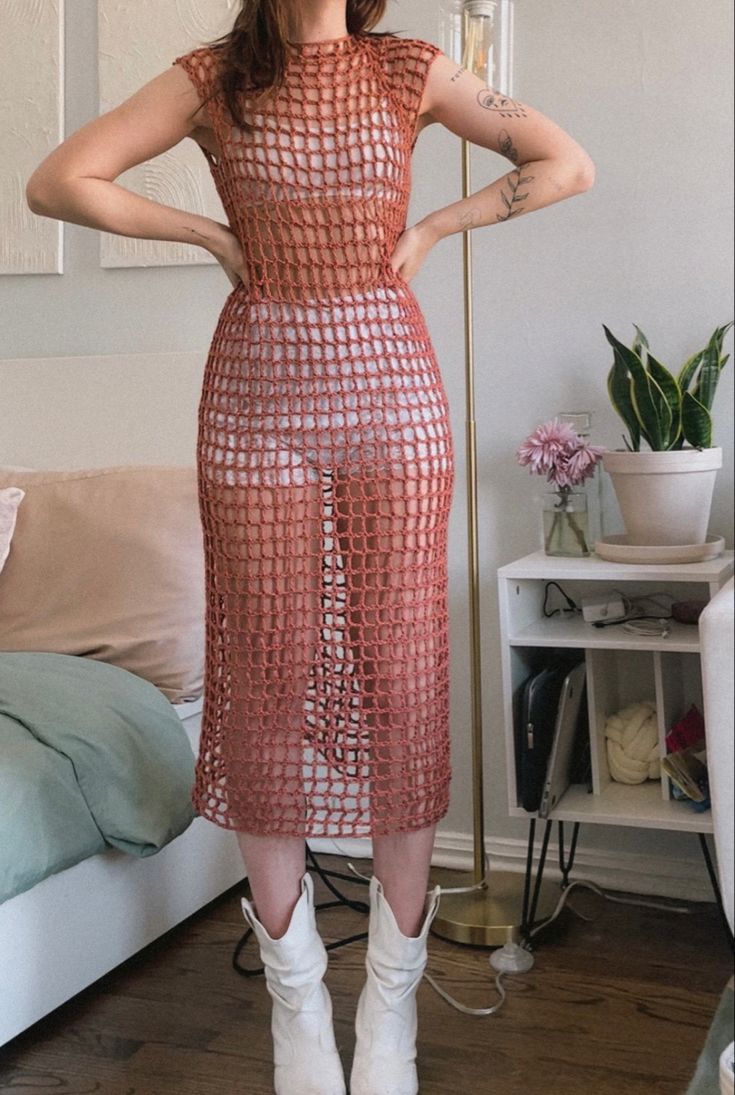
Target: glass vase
<point>566,524</point>
<point>595,488</point>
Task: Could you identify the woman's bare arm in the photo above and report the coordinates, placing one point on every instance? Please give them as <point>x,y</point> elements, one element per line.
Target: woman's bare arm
<point>549,164</point>
<point>76,182</point>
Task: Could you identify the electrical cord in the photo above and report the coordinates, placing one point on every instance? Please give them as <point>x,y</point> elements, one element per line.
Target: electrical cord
<point>456,1004</point>
<point>499,979</point>
<point>635,611</point>
<point>634,605</point>
<point>572,605</point>
<point>486,1012</point>
<point>648,626</point>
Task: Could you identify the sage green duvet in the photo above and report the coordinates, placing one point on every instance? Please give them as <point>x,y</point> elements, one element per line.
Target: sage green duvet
<point>91,756</point>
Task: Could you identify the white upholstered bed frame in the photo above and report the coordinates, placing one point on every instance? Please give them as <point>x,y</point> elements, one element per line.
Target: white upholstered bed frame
<point>72,927</point>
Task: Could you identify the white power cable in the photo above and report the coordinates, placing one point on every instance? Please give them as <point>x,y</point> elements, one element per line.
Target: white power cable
<point>443,889</point>
<point>482,1013</point>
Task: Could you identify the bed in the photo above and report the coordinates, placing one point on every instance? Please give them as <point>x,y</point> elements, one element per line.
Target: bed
<point>101,683</point>
<point>76,925</point>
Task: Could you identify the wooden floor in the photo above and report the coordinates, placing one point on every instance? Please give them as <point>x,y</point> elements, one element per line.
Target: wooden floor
<point>619,1003</point>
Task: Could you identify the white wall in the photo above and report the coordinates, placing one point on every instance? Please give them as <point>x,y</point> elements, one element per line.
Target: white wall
<point>104,366</point>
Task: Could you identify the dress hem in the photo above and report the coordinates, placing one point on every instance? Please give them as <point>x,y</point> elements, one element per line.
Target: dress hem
<point>226,822</point>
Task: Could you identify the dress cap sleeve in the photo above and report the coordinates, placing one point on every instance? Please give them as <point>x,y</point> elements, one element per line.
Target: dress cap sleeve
<point>200,66</point>
<point>410,60</point>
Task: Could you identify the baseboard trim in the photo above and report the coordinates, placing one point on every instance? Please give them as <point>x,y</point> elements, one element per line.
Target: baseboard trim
<point>681,879</point>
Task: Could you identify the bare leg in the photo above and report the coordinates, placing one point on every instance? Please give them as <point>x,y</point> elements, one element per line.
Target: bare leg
<point>305,1055</point>
<point>383,523</point>
<point>275,867</point>
<point>401,863</point>
<point>400,919</point>
<point>268,583</point>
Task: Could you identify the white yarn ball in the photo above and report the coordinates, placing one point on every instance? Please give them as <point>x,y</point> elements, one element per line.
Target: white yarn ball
<point>632,743</point>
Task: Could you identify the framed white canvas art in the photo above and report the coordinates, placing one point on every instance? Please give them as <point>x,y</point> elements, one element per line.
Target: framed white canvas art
<point>31,126</point>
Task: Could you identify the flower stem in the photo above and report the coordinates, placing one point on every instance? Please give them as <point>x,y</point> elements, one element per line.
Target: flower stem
<point>578,534</point>
<point>564,514</point>
<point>552,530</point>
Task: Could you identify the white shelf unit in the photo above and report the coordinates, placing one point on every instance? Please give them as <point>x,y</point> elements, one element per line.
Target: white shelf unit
<point>621,668</point>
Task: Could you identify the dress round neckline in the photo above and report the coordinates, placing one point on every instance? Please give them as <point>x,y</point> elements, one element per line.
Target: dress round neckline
<point>325,43</point>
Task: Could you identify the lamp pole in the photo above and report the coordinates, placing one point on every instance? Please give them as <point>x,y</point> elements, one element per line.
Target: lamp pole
<point>489,911</point>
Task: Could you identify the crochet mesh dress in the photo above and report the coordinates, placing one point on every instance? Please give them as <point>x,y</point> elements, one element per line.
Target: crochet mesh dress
<point>325,464</point>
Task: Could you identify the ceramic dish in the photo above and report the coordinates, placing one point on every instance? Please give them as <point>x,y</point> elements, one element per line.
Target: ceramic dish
<point>616,549</point>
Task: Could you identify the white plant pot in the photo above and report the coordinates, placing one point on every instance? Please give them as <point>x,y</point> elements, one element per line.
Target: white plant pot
<point>664,497</point>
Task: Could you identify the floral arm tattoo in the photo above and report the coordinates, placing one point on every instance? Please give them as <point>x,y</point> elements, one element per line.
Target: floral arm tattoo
<point>512,199</point>
<point>507,147</point>
<point>490,99</point>
<point>513,194</point>
<point>514,180</point>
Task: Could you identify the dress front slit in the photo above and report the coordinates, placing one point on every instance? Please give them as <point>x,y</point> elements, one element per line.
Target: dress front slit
<point>325,465</point>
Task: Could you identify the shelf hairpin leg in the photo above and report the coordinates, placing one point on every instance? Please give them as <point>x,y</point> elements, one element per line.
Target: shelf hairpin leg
<point>565,866</point>
<point>566,863</point>
<point>529,913</point>
<point>716,887</point>
<point>529,871</point>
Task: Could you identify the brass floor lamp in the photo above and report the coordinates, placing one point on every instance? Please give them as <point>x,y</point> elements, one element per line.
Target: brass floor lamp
<point>489,912</point>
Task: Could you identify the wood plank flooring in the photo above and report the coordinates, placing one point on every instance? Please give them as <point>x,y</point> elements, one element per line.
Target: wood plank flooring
<point>617,1004</point>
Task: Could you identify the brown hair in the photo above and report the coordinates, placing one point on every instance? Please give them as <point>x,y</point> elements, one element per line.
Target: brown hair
<point>254,54</point>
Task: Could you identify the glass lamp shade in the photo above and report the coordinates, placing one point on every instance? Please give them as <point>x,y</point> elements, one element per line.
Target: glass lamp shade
<point>450,28</point>
<point>487,45</point>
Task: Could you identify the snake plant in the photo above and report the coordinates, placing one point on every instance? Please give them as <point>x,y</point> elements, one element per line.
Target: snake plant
<point>662,409</point>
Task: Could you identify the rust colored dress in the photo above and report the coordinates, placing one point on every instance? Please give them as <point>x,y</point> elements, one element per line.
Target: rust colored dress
<point>325,464</point>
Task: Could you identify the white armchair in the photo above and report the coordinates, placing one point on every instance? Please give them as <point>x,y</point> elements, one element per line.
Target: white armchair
<point>717,631</point>
<point>717,625</point>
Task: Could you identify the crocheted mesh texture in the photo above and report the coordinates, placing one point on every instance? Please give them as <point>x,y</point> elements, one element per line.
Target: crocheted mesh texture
<point>325,464</point>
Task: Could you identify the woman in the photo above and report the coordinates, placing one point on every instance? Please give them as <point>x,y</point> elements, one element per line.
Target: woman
<point>325,467</point>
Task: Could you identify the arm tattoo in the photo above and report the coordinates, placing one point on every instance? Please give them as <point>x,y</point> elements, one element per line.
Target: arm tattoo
<point>505,107</point>
<point>514,180</point>
<point>469,219</point>
<point>507,148</point>
<point>457,74</point>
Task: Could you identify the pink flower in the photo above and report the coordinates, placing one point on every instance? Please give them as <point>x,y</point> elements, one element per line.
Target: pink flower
<point>557,451</point>
<point>581,463</point>
<point>547,443</point>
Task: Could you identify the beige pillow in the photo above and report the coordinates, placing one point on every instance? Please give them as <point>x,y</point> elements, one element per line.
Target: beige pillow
<point>108,563</point>
<point>10,499</point>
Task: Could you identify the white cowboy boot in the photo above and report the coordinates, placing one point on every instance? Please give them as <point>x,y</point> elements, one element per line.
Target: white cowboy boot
<point>304,1049</point>
<point>387,1019</point>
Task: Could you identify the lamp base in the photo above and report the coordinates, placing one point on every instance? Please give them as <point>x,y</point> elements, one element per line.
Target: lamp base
<point>489,917</point>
